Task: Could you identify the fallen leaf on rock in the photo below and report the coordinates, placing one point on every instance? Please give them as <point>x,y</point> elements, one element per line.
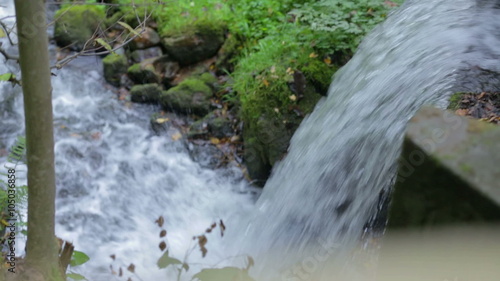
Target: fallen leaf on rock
<point>177,136</point>
<point>131,268</point>
<point>161,120</point>
<point>214,140</point>
<point>160,221</point>
<point>162,245</point>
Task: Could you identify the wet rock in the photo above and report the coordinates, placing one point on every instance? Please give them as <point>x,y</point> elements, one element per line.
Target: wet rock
<point>192,96</point>
<point>197,43</point>
<point>76,25</point>
<point>207,155</point>
<point>146,93</point>
<point>149,38</point>
<point>114,67</point>
<point>154,70</point>
<point>448,172</point>
<point>140,55</point>
<point>212,125</point>
<point>144,72</point>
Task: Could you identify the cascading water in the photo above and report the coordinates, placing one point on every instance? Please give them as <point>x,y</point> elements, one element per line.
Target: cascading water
<point>321,195</point>
<point>114,176</point>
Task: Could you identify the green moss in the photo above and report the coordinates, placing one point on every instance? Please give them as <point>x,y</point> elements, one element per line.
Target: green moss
<point>262,79</point>
<point>77,24</point>
<point>136,67</point>
<point>208,78</point>
<point>145,93</point>
<point>143,73</point>
<point>114,67</point>
<point>193,85</point>
<point>455,100</point>
<point>191,96</point>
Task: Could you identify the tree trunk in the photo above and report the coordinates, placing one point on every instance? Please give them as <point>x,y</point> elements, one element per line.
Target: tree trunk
<point>42,250</point>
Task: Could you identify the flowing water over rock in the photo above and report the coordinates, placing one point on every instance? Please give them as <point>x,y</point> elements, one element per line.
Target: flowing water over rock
<point>322,194</point>
<point>115,177</point>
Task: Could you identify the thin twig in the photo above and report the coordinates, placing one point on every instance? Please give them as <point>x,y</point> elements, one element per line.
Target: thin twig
<point>8,56</point>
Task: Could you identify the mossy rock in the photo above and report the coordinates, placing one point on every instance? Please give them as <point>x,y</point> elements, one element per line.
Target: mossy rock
<point>75,25</point>
<point>191,96</point>
<point>195,42</point>
<point>149,38</point>
<point>212,125</point>
<point>228,53</point>
<point>146,93</point>
<point>144,72</point>
<point>139,55</point>
<point>114,67</point>
<point>266,141</point>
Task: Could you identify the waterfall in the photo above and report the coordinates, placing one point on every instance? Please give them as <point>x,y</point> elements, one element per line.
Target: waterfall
<point>115,176</point>
<point>344,153</point>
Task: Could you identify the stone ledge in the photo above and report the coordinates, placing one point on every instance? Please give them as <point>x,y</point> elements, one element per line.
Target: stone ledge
<point>448,172</point>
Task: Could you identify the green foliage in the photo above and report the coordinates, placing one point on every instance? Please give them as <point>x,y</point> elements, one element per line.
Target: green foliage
<point>17,151</point>
<point>76,276</point>
<point>78,258</point>
<point>339,25</point>
<point>262,78</point>
<point>258,19</point>
<point>166,260</point>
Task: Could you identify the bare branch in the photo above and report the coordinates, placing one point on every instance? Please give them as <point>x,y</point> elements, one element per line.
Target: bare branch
<point>8,56</point>
<point>92,52</point>
<point>7,32</point>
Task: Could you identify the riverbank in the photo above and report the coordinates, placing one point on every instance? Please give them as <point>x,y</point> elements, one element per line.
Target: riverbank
<point>244,74</point>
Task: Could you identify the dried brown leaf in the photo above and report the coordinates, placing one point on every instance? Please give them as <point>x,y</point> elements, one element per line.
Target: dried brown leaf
<point>222,228</point>
<point>131,268</point>
<point>162,245</point>
<point>160,221</point>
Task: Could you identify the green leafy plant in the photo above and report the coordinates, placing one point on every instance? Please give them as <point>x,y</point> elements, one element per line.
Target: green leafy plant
<point>182,266</point>
<point>77,258</point>
<point>17,153</point>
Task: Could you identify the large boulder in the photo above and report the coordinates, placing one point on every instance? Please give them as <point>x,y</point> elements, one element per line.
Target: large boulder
<point>198,42</point>
<point>76,25</point>
<point>115,66</point>
<point>191,96</point>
